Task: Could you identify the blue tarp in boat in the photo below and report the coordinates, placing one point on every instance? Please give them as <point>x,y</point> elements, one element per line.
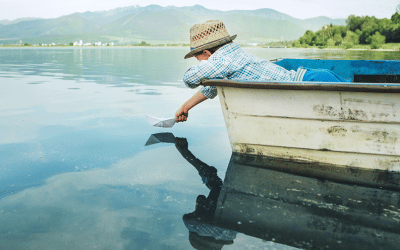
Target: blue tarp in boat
<point>367,71</point>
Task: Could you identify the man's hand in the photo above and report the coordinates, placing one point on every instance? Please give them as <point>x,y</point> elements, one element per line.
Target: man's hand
<point>182,114</point>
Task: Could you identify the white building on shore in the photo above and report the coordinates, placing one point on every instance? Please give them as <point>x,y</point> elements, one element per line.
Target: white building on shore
<point>80,43</point>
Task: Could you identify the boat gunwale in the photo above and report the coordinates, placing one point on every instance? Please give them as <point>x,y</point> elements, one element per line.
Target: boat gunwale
<point>357,87</point>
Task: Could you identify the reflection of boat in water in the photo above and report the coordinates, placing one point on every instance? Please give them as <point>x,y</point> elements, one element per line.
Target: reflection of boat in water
<point>275,199</point>
<point>350,124</point>
<point>305,212</point>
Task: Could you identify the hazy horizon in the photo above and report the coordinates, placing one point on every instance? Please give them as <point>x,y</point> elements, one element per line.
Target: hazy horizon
<point>11,10</point>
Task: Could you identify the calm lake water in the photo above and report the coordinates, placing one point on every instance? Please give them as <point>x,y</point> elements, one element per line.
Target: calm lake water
<point>75,172</point>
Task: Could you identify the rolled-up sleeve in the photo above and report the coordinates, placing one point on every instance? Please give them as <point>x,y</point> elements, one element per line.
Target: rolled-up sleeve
<point>207,69</point>
<point>209,91</point>
<point>192,78</point>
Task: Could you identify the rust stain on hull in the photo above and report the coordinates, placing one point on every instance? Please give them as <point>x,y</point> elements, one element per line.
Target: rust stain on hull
<point>337,131</point>
<point>224,98</point>
<point>357,110</point>
<point>348,114</point>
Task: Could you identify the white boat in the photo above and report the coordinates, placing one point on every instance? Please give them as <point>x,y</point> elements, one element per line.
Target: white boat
<point>354,124</point>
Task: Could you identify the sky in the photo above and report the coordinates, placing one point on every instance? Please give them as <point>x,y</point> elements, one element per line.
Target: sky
<point>13,9</point>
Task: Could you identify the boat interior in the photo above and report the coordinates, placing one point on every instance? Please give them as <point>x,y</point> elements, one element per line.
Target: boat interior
<point>365,71</point>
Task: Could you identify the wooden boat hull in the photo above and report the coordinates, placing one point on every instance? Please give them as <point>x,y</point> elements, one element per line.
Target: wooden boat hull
<point>347,126</point>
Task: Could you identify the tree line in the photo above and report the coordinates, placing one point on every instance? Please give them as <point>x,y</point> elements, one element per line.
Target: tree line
<point>358,30</point>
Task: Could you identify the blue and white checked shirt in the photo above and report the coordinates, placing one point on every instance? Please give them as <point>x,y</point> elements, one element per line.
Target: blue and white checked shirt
<point>231,62</point>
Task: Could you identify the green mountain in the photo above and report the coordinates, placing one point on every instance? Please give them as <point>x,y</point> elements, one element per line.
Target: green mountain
<point>7,22</point>
<point>156,25</point>
<point>65,25</point>
<point>153,25</point>
<point>314,24</point>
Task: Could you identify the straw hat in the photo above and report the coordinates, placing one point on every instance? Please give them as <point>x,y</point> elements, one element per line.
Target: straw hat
<point>207,35</point>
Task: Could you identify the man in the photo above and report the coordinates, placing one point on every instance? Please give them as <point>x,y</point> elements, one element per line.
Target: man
<point>220,58</point>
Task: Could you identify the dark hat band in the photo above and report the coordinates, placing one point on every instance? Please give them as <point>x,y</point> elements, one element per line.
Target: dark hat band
<point>208,43</point>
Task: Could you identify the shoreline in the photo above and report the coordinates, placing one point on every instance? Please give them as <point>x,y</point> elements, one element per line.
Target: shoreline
<point>394,50</point>
<point>184,46</point>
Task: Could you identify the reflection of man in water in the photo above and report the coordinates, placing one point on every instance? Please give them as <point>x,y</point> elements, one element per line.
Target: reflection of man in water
<point>202,233</point>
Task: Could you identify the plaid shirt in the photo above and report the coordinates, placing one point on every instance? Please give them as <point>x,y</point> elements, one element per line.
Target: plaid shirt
<point>231,62</point>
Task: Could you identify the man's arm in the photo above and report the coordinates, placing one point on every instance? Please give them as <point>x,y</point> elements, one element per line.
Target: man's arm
<point>213,68</point>
<point>207,69</point>
<point>183,112</point>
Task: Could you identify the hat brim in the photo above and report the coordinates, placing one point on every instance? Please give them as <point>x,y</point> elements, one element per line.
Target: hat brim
<point>210,45</point>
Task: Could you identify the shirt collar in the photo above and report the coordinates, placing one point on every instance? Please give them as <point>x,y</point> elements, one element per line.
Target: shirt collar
<point>227,49</point>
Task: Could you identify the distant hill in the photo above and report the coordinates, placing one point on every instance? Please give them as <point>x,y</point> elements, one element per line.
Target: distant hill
<point>314,24</point>
<point>8,22</point>
<point>156,25</point>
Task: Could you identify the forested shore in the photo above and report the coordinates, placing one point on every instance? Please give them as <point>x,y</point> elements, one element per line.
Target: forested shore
<point>359,30</point>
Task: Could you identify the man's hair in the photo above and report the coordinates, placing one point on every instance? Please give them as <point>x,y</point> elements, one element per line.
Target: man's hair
<point>213,49</point>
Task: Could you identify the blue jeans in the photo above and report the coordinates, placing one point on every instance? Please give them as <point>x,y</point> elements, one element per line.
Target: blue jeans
<point>322,75</point>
